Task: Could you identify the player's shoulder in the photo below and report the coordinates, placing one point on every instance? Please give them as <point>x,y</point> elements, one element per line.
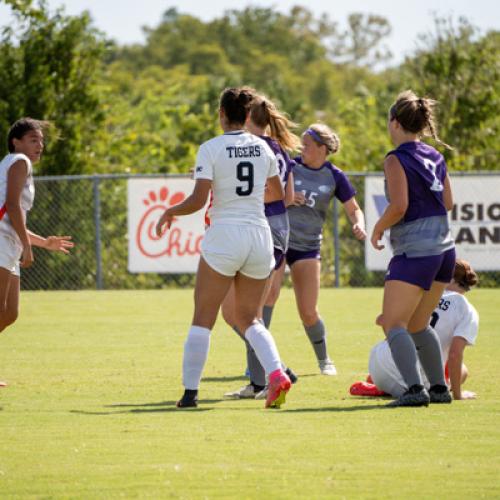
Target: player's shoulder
<point>13,158</point>
<point>336,171</point>
<point>213,143</point>
<point>266,143</point>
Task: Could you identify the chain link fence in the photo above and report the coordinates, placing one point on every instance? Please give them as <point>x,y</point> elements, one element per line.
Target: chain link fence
<point>93,210</point>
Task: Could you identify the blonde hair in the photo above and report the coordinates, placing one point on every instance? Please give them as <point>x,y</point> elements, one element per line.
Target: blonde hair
<point>263,113</point>
<point>325,136</point>
<point>416,115</point>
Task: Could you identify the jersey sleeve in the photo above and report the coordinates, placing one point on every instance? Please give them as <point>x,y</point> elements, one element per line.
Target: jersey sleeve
<point>344,190</point>
<point>21,157</point>
<point>468,326</point>
<point>204,164</point>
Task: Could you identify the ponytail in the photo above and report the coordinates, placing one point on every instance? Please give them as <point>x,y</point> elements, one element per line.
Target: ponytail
<point>264,113</point>
<point>416,115</point>
<point>464,275</point>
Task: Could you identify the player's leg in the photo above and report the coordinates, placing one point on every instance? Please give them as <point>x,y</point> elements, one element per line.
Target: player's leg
<point>273,293</point>
<point>248,296</point>
<point>305,275</point>
<point>210,290</point>
<point>400,302</point>
<point>427,343</point>
<point>425,338</point>
<point>383,371</point>
<point>256,372</point>
<point>9,298</point>
<point>9,301</point>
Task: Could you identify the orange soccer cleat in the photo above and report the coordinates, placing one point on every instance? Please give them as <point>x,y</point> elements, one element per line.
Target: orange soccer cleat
<point>366,389</point>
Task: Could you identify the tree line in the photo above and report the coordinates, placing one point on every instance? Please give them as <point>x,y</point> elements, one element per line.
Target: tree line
<point>147,107</point>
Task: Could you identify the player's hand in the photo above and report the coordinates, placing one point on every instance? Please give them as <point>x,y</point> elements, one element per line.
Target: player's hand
<point>299,198</point>
<point>359,232</point>
<point>26,257</point>
<point>379,320</point>
<point>165,220</point>
<point>59,244</point>
<point>468,395</point>
<point>377,236</point>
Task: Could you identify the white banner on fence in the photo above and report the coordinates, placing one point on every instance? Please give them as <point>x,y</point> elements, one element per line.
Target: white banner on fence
<point>475,221</point>
<point>178,250</point>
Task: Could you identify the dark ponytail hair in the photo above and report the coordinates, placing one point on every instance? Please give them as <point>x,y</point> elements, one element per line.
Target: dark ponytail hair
<point>21,127</point>
<point>236,103</point>
<point>464,275</point>
<point>416,115</point>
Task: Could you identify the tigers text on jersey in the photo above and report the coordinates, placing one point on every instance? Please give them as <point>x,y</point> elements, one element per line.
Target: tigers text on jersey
<point>27,193</point>
<point>238,164</point>
<point>319,186</point>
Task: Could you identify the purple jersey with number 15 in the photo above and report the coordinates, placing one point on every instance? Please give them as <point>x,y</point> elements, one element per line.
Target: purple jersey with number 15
<point>424,229</point>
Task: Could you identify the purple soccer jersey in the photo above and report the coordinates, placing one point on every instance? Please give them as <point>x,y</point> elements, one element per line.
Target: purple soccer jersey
<point>424,229</point>
<point>284,168</point>
<point>276,212</point>
<point>425,170</point>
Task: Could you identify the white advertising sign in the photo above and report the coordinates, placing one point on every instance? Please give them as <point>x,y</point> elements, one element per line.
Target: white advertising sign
<point>178,250</point>
<point>475,221</point>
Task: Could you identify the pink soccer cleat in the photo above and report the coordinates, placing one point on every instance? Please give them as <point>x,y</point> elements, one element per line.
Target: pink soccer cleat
<point>279,385</point>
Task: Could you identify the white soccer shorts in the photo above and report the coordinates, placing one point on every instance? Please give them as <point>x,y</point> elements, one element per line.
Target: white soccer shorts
<point>244,248</point>
<point>384,372</point>
<point>10,254</point>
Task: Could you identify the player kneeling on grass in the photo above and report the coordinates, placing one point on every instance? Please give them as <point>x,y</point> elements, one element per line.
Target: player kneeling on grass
<point>237,247</point>
<point>17,191</point>
<point>456,323</point>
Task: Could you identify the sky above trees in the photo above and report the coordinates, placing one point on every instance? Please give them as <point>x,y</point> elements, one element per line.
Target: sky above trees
<point>123,19</point>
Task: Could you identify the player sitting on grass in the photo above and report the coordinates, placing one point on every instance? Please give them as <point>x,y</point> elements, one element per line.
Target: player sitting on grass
<point>456,323</point>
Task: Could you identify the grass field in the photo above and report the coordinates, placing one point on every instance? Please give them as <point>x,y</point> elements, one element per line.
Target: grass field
<point>93,378</point>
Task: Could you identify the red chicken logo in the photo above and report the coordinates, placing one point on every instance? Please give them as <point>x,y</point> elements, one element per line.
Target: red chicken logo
<point>175,241</point>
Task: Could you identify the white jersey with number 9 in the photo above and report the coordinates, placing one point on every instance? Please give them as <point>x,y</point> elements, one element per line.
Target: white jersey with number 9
<point>238,164</point>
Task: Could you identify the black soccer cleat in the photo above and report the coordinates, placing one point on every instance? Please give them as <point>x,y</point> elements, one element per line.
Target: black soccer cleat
<point>188,400</point>
<point>416,395</point>
<point>293,378</point>
<point>440,394</point>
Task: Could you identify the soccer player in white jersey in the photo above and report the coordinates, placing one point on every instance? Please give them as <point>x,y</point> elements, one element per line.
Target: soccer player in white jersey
<point>17,191</point>
<point>272,126</point>
<point>456,323</point>
<point>237,246</point>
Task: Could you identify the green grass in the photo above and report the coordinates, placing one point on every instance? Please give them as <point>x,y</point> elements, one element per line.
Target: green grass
<point>93,377</point>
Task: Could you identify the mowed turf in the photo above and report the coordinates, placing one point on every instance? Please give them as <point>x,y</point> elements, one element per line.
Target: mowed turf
<point>94,376</point>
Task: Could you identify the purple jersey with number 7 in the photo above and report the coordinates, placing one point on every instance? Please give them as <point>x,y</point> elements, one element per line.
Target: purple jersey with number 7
<point>424,229</point>
<point>425,170</point>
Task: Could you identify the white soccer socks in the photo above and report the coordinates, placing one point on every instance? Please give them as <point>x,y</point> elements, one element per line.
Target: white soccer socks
<point>264,346</point>
<point>195,356</point>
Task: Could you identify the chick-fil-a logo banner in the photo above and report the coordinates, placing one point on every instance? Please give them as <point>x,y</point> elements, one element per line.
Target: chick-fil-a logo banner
<point>474,221</point>
<point>178,249</point>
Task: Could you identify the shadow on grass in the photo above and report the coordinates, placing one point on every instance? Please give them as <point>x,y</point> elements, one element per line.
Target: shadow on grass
<point>339,409</point>
<point>158,407</point>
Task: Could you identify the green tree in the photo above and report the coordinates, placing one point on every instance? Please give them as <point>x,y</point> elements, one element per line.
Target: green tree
<point>50,63</point>
<point>461,69</point>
